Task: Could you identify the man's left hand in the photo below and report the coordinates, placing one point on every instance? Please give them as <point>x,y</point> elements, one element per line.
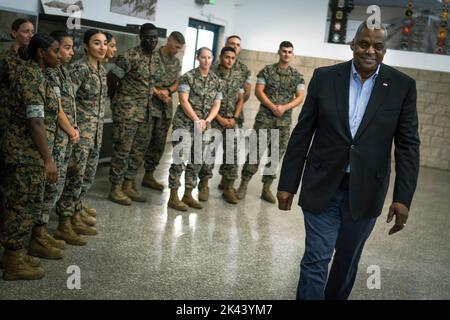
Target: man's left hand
<point>400,211</point>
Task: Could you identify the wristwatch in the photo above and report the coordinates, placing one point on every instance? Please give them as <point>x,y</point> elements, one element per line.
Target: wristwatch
<point>235,118</point>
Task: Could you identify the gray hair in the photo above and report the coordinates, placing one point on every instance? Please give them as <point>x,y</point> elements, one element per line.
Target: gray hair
<point>363,26</point>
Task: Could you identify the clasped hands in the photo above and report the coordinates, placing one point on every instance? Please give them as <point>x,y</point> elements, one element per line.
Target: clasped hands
<point>278,110</point>
<point>164,96</point>
<point>227,123</point>
<point>201,125</point>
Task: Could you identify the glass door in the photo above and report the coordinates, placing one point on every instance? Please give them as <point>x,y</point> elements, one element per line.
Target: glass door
<point>199,34</point>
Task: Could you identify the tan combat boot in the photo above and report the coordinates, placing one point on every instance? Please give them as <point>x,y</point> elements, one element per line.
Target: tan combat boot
<point>79,227</point>
<point>91,211</point>
<point>60,244</point>
<point>150,182</point>
<point>175,202</point>
<point>129,188</point>
<point>87,218</point>
<point>32,261</point>
<point>229,194</point>
<point>190,201</point>
<point>242,191</point>
<point>15,263</point>
<point>41,247</point>
<point>116,195</point>
<point>266,194</point>
<point>66,233</point>
<point>221,184</point>
<point>203,190</point>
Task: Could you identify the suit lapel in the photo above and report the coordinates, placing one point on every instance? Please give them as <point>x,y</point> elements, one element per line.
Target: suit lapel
<point>379,93</point>
<point>342,85</point>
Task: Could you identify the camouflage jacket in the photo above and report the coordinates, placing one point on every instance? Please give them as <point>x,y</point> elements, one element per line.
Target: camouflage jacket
<point>132,101</point>
<point>242,70</point>
<point>166,71</point>
<point>9,62</point>
<point>242,74</point>
<point>202,93</point>
<point>90,96</point>
<point>60,78</point>
<point>34,97</point>
<point>280,87</point>
<point>231,90</point>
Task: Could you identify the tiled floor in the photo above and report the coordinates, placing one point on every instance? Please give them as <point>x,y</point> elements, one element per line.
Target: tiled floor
<point>246,251</point>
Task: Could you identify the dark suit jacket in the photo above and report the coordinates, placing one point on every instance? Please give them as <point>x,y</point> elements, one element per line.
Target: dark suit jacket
<point>391,116</point>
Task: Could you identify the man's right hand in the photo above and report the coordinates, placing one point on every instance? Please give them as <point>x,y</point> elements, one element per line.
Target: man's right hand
<point>284,200</point>
<point>51,173</point>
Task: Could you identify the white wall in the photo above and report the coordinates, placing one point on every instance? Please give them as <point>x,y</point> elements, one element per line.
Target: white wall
<point>20,5</point>
<point>263,25</point>
<point>170,14</point>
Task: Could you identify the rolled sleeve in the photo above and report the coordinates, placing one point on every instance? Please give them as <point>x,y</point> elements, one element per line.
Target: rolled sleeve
<point>219,96</point>
<point>241,90</point>
<point>261,81</point>
<point>184,88</point>
<point>35,111</point>
<point>301,87</point>
<point>118,71</point>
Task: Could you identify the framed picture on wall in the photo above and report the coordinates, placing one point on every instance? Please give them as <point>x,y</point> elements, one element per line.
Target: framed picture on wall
<point>144,9</point>
<point>62,7</point>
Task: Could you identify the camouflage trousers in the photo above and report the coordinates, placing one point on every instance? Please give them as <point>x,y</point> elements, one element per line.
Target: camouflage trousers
<point>2,177</point>
<point>2,185</point>
<point>62,151</point>
<point>157,144</point>
<point>228,171</point>
<point>248,169</point>
<point>80,176</point>
<point>23,203</point>
<point>191,169</point>
<point>130,142</point>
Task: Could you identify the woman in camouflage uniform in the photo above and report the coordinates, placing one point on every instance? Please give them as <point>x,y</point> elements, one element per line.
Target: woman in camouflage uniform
<point>27,155</point>
<point>200,93</point>
<point>21,31</point>
<point>66,135</point>
<point>89,78</point>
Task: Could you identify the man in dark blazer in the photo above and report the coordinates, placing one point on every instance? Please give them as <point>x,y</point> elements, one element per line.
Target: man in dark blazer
<point>353,113</point>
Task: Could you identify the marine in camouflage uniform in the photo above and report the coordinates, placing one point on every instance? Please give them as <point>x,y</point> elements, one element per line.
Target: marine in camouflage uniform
<point>166,72</point>
<point>33,98</point>
<point>202,94</point>
<point>9,61</point>
<point>281,86</point>
<point>62,148</point>
<point>90,89</point>
<point>132,113</point>
<point>233,90</point>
